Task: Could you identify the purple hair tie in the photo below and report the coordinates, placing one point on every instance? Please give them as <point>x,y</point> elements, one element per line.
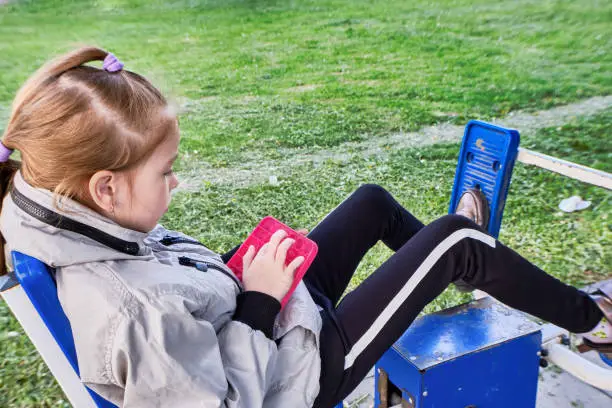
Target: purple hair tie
<point>5,153</point>
<point>111,63</point>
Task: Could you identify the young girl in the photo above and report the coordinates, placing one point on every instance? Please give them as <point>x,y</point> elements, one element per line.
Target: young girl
<point>159,320</point>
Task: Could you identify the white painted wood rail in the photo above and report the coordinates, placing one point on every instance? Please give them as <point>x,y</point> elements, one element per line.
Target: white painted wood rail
<point>566,168</point>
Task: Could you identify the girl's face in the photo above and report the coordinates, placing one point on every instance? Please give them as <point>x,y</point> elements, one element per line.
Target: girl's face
<point>147,196</point>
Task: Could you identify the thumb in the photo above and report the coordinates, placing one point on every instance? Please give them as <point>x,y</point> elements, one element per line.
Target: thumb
<point>247,259</point>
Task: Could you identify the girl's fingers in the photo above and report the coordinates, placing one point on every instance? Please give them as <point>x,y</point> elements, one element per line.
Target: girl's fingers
<point>263,250</point>
<point>275,239</point>
<point>294,265</point>
<point>247,259</point>
<point>302,231</point>
<point>281,252</point>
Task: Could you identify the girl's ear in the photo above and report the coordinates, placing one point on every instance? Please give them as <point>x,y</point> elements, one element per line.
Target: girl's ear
<point>103,190</point>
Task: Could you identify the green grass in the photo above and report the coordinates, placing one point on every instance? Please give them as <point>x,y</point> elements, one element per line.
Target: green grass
<point>256,75</point>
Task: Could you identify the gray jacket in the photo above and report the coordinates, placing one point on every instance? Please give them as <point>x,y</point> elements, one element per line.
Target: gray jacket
<point>150,332</point>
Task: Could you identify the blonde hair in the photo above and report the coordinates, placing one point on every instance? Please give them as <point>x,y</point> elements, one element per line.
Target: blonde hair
<point>70,120</point>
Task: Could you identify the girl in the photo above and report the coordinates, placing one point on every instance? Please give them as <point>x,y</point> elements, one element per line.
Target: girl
<point>159,320</point>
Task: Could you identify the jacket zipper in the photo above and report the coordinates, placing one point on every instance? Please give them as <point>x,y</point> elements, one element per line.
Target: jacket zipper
<point>199,265</point>
<point>169,240</point>
<point>204,266</point>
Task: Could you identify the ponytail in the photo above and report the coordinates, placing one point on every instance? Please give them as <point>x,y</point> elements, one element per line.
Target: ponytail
<point>52,70</point>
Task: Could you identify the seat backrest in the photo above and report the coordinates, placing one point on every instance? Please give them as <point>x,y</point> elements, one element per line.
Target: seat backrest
<point>38,282</point>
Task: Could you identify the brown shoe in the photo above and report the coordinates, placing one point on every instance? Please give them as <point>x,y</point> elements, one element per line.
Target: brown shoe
<point>474,205</point>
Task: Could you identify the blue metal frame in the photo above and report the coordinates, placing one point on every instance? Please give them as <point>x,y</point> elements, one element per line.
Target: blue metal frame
<point>37,281</point>
<point>479,353</point>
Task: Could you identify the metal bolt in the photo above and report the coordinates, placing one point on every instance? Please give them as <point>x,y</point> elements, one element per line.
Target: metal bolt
<point>543,363</point>
<point>544,353</point>
<point>424,393</point>
<point>565,340</point>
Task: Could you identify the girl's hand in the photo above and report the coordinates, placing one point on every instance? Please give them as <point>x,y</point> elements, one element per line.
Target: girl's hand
<point>266,272</point>
<point>302,231</point>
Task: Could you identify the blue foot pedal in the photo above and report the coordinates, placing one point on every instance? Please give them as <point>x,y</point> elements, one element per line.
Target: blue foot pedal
<point>486,160</point>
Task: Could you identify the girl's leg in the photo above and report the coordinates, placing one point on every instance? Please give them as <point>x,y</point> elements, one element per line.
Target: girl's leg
<point>367,216</point>
<point>373,316</point>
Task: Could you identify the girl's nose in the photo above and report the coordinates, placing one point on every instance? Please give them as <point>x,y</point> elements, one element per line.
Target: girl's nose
<point>174,182</point>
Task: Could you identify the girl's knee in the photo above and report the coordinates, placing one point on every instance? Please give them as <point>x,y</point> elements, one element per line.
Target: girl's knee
<point>453,222</point>
<point>375,197</point>
<point>371,189</point>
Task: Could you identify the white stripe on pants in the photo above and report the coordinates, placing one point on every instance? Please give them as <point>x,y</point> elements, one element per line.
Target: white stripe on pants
<point>422,271</point>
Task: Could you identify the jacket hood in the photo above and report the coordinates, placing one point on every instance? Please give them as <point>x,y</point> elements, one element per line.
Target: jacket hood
<point>63,233</point>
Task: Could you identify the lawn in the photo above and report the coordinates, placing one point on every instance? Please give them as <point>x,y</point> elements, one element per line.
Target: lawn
<point>253,76</point>
<point>258,74</point>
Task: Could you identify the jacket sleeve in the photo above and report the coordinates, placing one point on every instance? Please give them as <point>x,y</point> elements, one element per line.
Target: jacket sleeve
<point>163,356</point>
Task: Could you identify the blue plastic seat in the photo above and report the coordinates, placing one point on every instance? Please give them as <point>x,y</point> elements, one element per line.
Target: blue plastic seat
<point>38,282</point>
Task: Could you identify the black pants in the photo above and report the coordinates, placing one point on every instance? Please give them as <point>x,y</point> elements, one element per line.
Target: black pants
<point>358,330</point>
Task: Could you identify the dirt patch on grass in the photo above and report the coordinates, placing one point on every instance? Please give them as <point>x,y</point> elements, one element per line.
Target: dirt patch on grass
<point>302,88</point>
<point>252,168</point>
<point>364,82</point>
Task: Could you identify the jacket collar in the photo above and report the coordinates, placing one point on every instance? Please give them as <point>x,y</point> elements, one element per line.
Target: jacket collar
<point>69,215</point>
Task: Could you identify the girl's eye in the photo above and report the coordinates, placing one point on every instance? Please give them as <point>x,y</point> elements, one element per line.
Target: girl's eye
<point>169,173</point>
